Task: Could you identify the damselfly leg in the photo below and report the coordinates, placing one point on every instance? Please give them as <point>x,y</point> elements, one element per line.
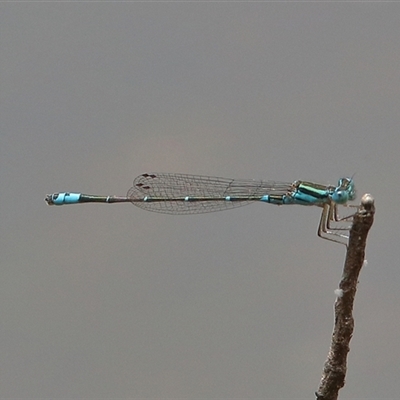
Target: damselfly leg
<point>329,216</point>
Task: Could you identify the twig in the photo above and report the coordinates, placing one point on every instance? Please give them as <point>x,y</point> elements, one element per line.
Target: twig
<point>334,373</point>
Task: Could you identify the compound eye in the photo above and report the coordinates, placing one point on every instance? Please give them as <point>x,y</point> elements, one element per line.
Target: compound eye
<point>340,197</point>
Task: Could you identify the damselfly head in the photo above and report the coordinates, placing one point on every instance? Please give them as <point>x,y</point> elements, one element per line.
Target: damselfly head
<point>344,192</point>
<point>351,189</point>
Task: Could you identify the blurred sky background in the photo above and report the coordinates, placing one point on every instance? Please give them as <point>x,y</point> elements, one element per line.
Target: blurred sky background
<point>110,301</point>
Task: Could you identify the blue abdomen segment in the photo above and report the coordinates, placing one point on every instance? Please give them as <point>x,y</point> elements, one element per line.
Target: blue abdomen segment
<point>66,198</point>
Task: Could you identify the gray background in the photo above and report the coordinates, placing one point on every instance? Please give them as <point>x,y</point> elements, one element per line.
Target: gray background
<point>109,301</point>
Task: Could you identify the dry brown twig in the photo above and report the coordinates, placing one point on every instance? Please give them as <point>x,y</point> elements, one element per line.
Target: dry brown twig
<point>334,373</point>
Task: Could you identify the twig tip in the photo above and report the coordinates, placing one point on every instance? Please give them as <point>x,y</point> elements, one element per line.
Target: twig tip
<point>367,201</point>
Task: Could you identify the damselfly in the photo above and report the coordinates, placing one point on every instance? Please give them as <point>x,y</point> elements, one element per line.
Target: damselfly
<point>193,194</point>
